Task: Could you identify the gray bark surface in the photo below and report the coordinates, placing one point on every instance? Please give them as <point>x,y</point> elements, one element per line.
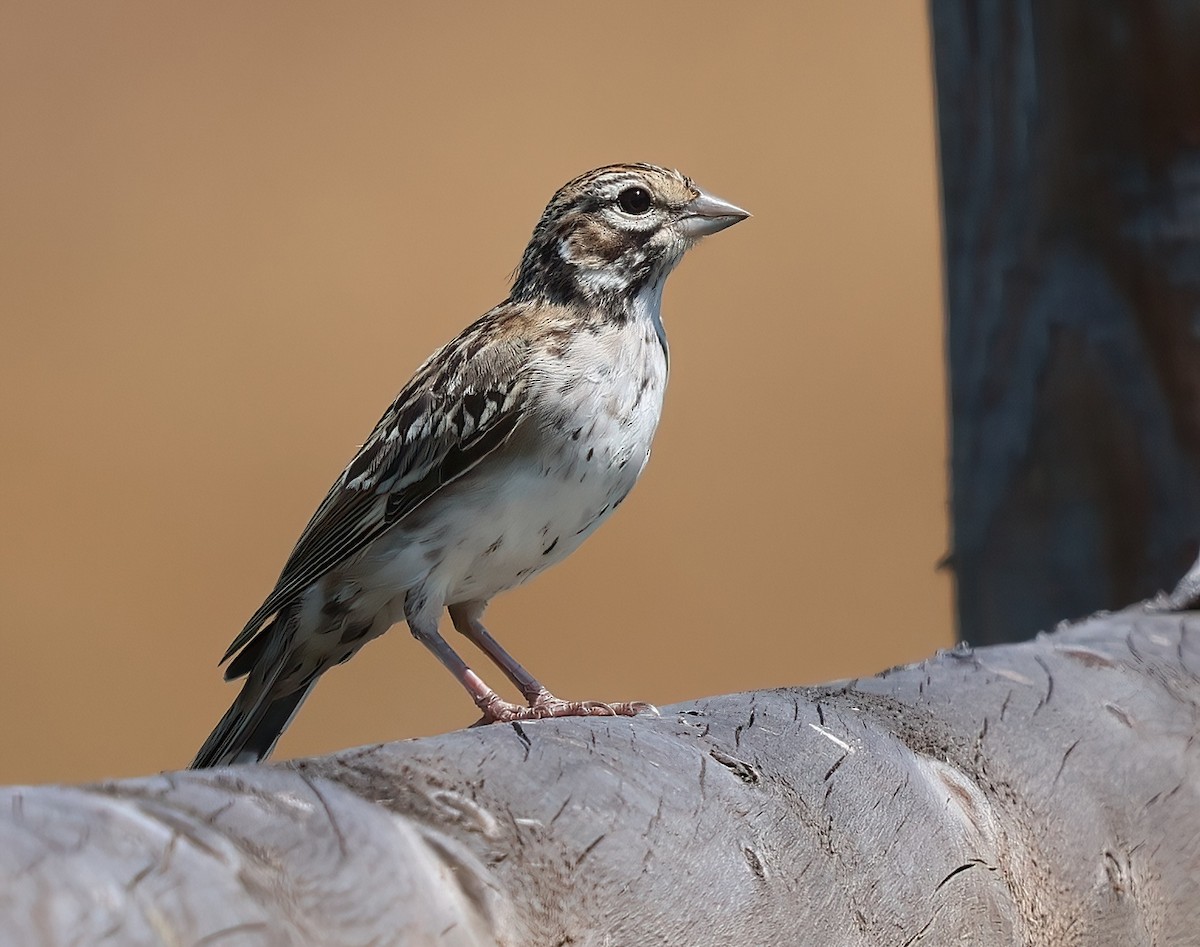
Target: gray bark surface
<point>1069,135</point>
<point>1045,793</point>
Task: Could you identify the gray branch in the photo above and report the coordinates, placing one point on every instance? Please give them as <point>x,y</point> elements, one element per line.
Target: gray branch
<point>1039,793</point>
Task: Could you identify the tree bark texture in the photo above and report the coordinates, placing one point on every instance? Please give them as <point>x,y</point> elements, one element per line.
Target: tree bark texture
<point>1043,793</point>
<point>1070,158</point>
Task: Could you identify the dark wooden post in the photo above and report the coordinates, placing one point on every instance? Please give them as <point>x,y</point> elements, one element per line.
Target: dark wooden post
<point>1070,157</point>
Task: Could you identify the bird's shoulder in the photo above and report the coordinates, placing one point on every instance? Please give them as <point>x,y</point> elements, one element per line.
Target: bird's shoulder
<point>486,373</point>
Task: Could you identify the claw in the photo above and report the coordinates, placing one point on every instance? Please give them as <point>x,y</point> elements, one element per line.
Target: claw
<point>546,705</point>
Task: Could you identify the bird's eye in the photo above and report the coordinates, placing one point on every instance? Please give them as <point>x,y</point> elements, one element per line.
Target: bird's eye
<point>634,200</point>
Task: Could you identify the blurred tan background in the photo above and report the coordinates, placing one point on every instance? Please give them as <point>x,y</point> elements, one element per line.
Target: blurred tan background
<point>229,232</point>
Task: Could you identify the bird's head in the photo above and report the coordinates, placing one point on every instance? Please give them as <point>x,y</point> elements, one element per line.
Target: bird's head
<point>609,232</point>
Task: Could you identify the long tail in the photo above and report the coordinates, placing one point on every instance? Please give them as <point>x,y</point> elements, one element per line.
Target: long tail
<point>253,725</point>
<point>250,729</point>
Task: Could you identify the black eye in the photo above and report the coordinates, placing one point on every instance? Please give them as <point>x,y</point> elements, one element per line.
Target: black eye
<point>634,200</point>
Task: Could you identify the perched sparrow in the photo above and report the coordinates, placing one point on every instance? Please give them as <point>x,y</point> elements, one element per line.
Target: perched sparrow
<point>504,452</point>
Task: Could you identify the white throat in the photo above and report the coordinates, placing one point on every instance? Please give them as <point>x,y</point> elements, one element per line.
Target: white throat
<point>647,304</point>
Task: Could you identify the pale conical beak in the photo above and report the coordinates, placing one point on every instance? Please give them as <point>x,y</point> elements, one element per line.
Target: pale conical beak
<point>707,214</point>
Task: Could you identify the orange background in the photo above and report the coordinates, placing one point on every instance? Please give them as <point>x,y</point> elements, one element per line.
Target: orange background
<point>231,231</point>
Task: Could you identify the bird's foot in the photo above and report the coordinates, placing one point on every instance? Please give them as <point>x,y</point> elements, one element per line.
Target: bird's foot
<point>544,704</point>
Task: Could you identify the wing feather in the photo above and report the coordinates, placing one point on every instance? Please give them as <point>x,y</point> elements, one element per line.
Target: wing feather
<point>459,407</point>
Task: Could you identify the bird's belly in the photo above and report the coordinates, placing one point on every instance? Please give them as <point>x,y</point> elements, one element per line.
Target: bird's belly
<point>538,497</point>
<point>499,525</point>
<point>537,518</point>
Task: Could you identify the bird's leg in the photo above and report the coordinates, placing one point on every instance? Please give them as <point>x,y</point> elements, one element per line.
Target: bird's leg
<point>466,621</point>
<point>542,703</point>
<point>424,628</point>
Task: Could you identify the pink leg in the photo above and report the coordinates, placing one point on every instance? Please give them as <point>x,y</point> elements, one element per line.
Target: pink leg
<point>541,702</point>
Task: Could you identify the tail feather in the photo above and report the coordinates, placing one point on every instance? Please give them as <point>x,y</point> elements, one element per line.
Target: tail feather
<point>250,729</point>
<point>253,725</point>
<point>244,661</point>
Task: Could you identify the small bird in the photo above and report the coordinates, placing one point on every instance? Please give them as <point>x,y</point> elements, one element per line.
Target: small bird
<point>506,450</point>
